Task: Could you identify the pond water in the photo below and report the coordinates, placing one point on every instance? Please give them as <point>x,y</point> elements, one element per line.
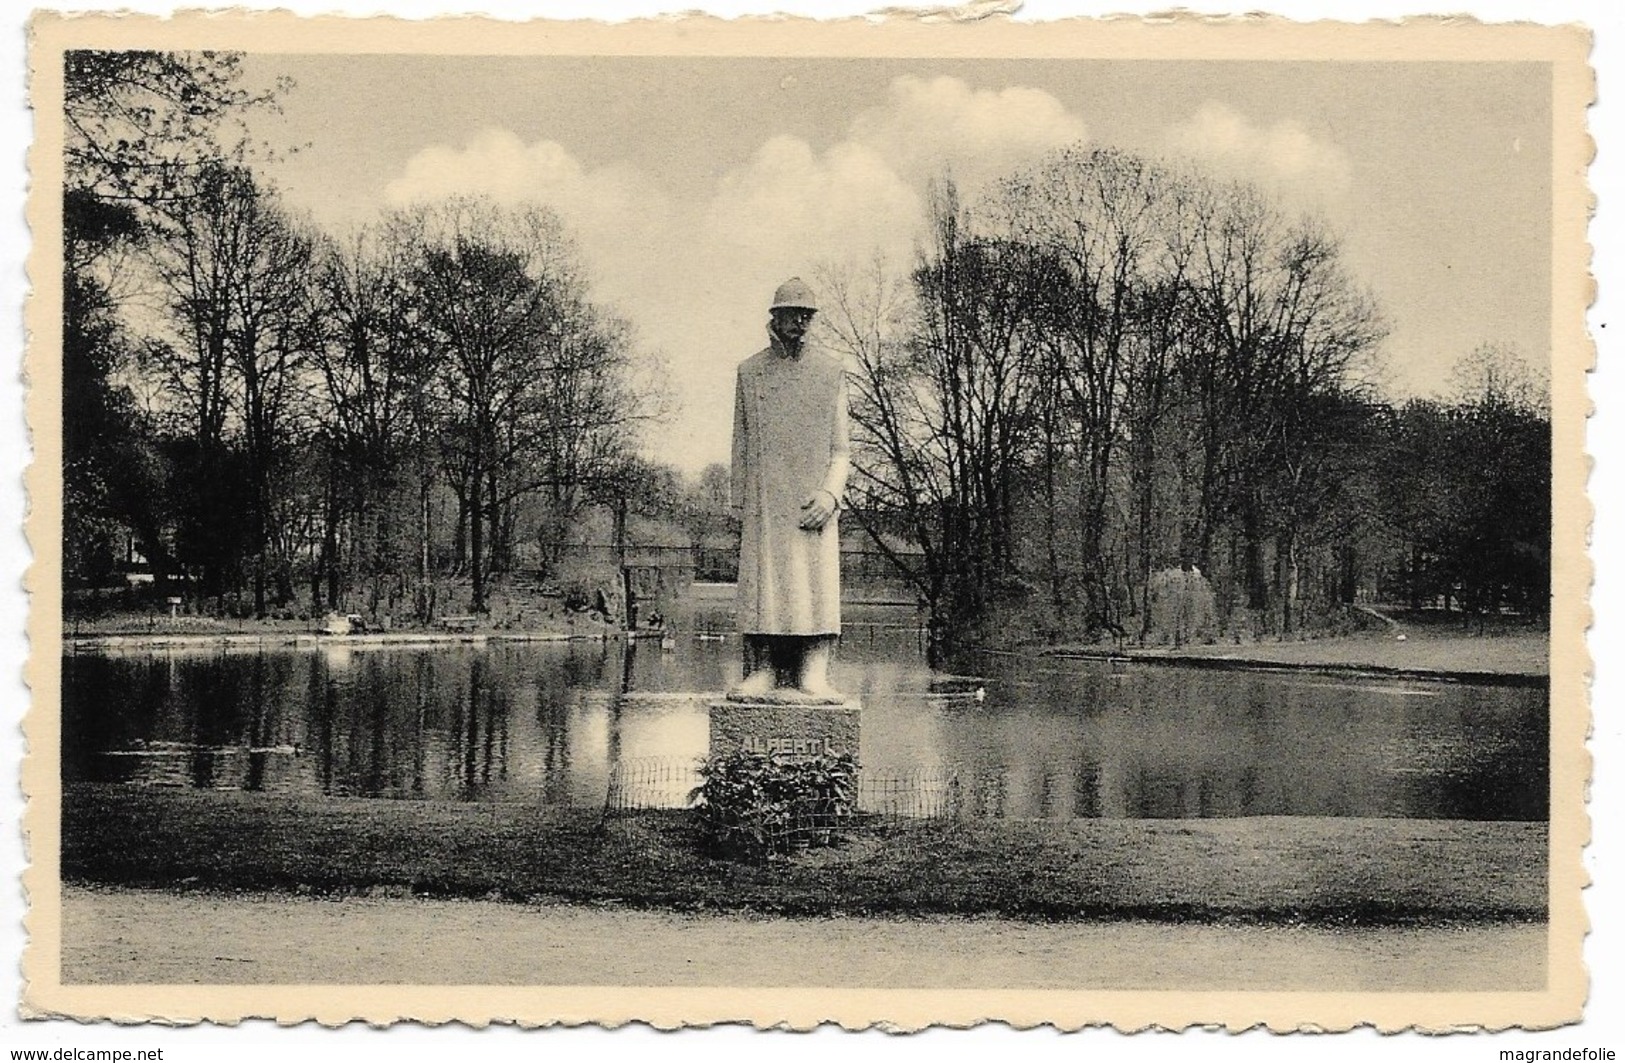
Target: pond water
<point>550,723</point>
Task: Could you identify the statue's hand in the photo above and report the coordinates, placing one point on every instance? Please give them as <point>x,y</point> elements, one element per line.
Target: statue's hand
<point>816,511</point>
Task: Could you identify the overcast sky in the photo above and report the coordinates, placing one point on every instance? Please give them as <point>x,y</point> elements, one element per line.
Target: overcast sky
<point>696,185</point>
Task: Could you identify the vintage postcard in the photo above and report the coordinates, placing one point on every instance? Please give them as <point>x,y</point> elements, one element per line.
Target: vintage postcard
<point>890,523</point>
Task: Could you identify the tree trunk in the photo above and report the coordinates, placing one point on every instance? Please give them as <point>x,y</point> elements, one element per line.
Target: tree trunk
<point>1057,602</point>
<point>476,553</point>
<point>459,540</point>
<point>1258,589</point>
<point>1147,499</point>
<point>330,547</point>
<point>1287,578</point>
<point>424,607</point>
<point>1348,587</point>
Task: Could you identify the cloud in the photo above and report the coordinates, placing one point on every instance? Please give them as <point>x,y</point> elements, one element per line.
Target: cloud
<point>497,163</point>
<point>790,203</point>
<point>1284,157</point>
<point>926,124</point>
<point>613,211</point>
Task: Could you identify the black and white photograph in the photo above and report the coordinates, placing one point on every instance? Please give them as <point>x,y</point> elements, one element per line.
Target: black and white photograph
<point>788,522</point>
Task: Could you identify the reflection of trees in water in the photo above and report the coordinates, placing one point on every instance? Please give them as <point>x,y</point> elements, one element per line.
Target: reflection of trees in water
<point>1503,772</point>
<point>322,702</point>
<point>1046,804</point>
<point>1194,748</point>
<point>555,748</point>
<point>381,723</point>
<point>581,666</point>
<point>258,725</point>
<point>1086,789</point>
<point>422,709</point>
<point>375,717</point>
<point>1247,789</point>
<point>429,723</point>
<point>1161,745</point>
<point>88,726</point>
<point>468,731</point>
<point>557,682</point>
<point>481,750</point>
<point>213,703</point>
<point>381,727</point>
<point>203,721</point>
<point>1013,759</point>
<point>368,725</point>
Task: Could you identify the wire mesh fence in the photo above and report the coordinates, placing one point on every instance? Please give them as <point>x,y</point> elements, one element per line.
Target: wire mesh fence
<point>916,793</point>
<point>780,829</point>
<point>920,793</point>
<point>652,782</point>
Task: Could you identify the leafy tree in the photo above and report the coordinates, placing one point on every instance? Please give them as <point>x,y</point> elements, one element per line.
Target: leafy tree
<point>140,126</point>
<point>109,475</point>
<point>235,270</point>
<point>377,419</point>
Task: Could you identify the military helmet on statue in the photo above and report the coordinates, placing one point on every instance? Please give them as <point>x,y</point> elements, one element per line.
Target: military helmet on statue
<point>795,293</point>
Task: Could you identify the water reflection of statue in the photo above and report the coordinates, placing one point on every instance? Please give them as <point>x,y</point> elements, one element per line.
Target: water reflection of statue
<point>790,460</point>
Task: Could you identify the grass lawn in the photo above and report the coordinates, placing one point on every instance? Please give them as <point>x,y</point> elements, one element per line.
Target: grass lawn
<point>1280,870</point>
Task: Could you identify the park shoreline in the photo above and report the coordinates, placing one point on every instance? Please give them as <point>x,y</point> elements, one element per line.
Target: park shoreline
<point>1317,656</point>
<point>1176,659</point>
<point>310,640</point>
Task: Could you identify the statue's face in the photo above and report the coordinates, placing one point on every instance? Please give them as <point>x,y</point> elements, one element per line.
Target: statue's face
<point>791,323</point>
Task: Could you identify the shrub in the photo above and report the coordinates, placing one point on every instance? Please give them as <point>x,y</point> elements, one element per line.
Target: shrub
<point>753,806</point>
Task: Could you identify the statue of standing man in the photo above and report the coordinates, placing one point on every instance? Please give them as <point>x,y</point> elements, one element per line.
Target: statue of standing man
<point>791,454</point>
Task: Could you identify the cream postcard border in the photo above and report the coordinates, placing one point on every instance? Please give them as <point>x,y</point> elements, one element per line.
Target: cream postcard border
<point>1565,48</point>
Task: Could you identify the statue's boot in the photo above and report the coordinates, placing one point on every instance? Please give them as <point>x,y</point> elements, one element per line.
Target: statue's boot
<point>814,679</point>
<point>761,677</point>
<point>758,683</point>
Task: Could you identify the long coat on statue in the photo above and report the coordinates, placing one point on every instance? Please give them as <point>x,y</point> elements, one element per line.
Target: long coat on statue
<point>790,441</point>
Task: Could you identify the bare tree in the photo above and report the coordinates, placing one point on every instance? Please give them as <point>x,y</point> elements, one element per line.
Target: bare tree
<point>591,408</point>
<point>142,126</point>
<point>1495,373</point>
<point>1279,324</point>
<point>899,483</point>
<point>1107,220</point>
<point>539,387</point>
<point>947,408</point>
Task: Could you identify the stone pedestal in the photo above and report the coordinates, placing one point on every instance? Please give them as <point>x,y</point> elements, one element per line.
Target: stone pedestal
<point>785,728</point>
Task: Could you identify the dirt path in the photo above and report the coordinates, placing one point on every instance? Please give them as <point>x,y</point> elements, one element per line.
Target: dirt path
<point>113,935</point>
